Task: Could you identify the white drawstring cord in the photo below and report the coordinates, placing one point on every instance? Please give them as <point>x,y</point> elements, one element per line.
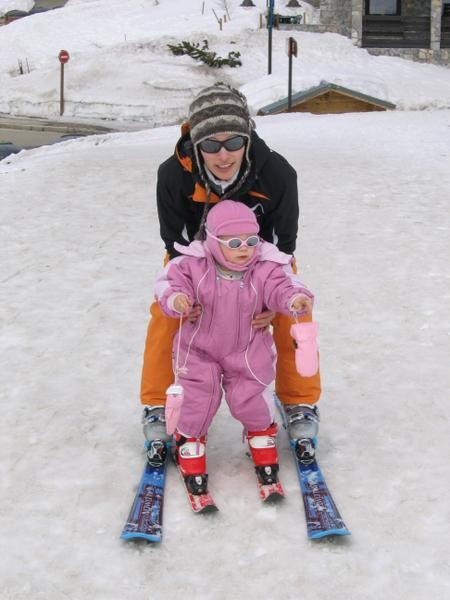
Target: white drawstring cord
<point>177,354</point>
<point>250,339</point>
<point>183,369</point>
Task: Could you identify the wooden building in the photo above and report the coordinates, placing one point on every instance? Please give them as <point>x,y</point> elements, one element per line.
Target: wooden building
<point>328,98</point>
<point>415,29</point>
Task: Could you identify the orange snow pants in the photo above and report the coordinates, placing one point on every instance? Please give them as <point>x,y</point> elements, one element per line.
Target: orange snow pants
<point>157,373</point>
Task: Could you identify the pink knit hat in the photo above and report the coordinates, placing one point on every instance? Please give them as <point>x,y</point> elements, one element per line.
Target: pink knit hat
<point>230,217</point>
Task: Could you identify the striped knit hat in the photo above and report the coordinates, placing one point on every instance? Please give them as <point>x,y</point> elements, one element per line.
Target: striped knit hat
<point>219,109</point>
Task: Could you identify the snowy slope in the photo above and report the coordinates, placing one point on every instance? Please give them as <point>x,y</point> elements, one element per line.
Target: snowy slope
<point>82,249</point>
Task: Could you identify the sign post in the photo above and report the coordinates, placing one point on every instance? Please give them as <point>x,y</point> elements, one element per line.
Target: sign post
<point>270,27</point>
<point>291,51</point>
<point>63,58</point>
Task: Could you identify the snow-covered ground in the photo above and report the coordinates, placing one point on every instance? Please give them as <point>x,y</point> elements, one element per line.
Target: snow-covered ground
<point>80,251</point>
<point>121,68</point>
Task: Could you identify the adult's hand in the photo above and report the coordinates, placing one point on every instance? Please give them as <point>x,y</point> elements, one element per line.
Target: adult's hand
<point>263,320</point>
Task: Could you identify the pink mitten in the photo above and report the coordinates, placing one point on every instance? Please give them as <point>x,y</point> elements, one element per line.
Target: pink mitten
<point>306,356</point>
<point>175,395</point>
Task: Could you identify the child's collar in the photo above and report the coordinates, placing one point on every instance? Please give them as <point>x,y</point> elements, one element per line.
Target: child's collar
<point>228,273</point>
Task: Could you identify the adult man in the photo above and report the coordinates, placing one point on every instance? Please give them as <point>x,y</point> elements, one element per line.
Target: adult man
<point>219,156</point>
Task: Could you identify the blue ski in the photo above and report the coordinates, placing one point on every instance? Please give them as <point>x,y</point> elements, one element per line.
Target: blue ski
<point>145,518</point>
<point>322,515</point>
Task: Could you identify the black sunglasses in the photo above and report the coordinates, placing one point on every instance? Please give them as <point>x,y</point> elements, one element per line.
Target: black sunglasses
<point>231,144</point>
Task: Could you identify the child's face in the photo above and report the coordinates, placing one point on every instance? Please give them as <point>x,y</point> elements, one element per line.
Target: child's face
<point>239,255</point>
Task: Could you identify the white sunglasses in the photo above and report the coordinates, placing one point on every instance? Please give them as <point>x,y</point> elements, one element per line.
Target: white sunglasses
<point>235,243</point>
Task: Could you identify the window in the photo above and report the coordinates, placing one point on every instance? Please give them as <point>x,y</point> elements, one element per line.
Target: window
<point>383,7</point>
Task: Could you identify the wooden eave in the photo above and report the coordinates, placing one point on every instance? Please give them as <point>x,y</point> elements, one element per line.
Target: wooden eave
<point>323,88</point>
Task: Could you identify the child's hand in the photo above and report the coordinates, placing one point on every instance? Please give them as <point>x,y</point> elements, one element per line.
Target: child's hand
<point>194,313</point>
<point>302,304</point>
<point>181,303</point>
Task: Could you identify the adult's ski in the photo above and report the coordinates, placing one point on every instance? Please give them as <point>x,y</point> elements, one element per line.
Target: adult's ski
<point>322,515</point>
<point>145,518</point>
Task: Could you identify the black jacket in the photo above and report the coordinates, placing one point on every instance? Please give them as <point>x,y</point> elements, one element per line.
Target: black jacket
<point>270,190</point>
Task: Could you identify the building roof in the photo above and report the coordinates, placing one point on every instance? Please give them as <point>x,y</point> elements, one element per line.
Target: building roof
<point>322,88</point>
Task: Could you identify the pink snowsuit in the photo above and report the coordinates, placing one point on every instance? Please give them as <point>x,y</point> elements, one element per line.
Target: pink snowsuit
<point>222,348</point>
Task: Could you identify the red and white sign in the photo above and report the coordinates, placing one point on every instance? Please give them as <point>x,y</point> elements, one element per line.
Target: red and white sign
<point>63,57</point>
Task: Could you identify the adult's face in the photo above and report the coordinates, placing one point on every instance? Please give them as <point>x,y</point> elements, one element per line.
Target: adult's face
<point>225,163</point>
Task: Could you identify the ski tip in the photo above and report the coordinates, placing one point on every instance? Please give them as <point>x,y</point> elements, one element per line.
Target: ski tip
<point>209,508</point>
<point>318,535</point>
<point>200,503</point>
<point>137,535</point>
<point>272,497</point>
<point>203,503</point>
<point>271,492</point>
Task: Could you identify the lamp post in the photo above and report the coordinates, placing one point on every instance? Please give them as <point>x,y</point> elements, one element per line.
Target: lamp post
<point>270,27</point>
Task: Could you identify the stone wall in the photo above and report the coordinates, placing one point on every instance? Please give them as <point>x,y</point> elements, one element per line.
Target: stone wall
<point>436,16</point>
<point>437,57</point>
<point>49,3</point>
<point>309,27</point>
<point>357,15</point>
<point>346,17</point>
<point>336,16</point>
